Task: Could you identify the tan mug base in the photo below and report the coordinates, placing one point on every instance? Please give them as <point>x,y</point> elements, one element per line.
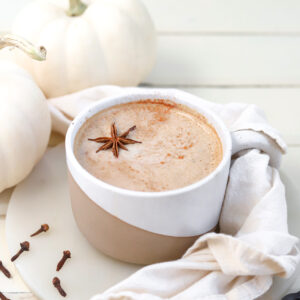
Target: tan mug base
<point>119,239</point>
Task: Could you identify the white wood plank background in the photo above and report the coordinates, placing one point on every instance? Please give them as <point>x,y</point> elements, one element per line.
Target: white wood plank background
<point>230,16</point>
<point>227,61</point>
<point>225,51</point>
<point>206,16</point>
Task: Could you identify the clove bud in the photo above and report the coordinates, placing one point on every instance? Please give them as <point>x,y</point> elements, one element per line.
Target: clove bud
<point>4,270</point>
<point>44,228</point>
<point>24,247</point>
<point>56,283</point>
<point>66,255</point>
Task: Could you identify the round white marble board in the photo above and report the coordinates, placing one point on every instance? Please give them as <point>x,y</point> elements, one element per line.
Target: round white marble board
<point>43,198</point>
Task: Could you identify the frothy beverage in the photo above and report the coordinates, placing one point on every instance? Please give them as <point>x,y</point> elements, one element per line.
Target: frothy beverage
<point>178,146</point>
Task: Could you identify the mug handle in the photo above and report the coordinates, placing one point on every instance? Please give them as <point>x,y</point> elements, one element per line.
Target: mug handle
<point>250,139</point>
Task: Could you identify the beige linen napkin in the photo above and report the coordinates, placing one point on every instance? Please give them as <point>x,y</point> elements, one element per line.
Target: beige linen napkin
<point>254,243</point>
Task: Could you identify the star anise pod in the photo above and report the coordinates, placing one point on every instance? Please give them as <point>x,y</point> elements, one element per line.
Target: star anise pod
<point>115,142</point>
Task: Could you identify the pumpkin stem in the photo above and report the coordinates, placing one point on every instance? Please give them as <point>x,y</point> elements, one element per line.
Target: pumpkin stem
<point>76,8</point>
<point>11,40</point>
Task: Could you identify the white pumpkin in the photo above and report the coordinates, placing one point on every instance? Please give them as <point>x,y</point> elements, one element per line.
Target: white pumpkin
<point>105,42</point>
<point>24,117</point>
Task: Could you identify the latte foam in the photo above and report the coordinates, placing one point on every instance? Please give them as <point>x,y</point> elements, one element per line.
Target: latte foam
<point>179,147</point>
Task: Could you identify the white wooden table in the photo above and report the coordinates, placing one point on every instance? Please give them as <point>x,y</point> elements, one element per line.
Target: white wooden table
<point>224,51</point>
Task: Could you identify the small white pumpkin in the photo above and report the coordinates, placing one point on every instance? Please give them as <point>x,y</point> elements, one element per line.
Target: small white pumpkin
<point>105,42</point>
<point>24,117</point>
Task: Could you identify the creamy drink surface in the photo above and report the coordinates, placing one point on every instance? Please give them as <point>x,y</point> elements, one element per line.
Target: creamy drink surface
<point>178,146</point>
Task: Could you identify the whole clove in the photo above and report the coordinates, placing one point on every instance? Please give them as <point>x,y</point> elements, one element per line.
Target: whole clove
<point>44,228</point>
<point>4,270</point>
<point>24,247</point>
<point>57,285</point>
<point>66,255</point>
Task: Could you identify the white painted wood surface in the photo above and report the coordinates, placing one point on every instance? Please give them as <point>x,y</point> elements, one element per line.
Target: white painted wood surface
<point>225,51</point>
<point>221,17</point>
<point>206,16</point>
<point>216,60</point>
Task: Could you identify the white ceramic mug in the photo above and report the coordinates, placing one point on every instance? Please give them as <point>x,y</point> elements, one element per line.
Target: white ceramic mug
<point>146,227</point>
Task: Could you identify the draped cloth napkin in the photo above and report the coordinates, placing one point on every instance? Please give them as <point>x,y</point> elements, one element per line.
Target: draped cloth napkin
<point>253,243</point>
